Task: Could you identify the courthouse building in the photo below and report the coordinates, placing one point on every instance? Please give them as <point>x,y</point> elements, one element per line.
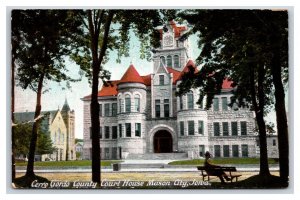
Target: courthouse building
<point>142,118</point>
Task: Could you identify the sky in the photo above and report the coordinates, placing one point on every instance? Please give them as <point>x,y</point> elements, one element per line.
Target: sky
<point>54,99</point>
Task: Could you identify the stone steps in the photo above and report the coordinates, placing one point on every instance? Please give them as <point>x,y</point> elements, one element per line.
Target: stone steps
<point>157,156</point>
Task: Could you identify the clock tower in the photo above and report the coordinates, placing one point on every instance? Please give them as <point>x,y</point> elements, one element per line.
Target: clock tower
<point>173,52</point>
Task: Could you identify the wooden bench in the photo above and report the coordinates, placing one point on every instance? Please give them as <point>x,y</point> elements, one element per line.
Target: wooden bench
<point>210,172</point>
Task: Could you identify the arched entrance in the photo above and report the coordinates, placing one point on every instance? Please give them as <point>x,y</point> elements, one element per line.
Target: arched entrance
<point>162,142</point>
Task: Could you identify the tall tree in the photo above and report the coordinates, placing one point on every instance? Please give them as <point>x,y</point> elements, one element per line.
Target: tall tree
<point>237,44</point>
<point>107,31</point>
<point>44,41</point>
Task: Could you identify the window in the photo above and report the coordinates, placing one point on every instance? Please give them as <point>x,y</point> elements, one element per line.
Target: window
<point>120,130</point>
<point>235,150</point>
<point>225,128</point>
<point>114,132</point>
<point>106,110</point>
<point>128,129</point>
<point>100,110</point>
<point>224,103</point>
<point>225,150</point>
<point>191,129</point>
<point>217,150</point>
<point>166,108</point>
<point>180,103</point>
<point>162,61</point>
<point>137,103</point>
<point>274,142</point>
<point>138,129</point>
<point>176,61</point>
<point>127,103</point>
<point>201,150</point>
<point>100,132</point>
<point>106,132</point>
<point>244,150</point>
<point>181,125</point>
<point>161,79</point>
<point>169,61</point>
<point>200,127</point>
<point>243,128</point>
<point>216,104</point>
<point>177,43</point>
<point>157,108</point>
<point>114,109</point>
<point>120,105</point>
<point>216,129</point>
<point>234,130</point>
<point>106,153</point>
<point>190,99</point>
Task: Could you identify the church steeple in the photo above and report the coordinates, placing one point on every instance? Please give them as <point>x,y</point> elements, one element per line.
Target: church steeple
<point>66,106</point>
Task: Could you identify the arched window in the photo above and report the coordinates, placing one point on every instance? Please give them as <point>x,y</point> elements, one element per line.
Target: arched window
<point>162,61</point>
<point>190,100</point>
<point>169,61</point>
<point>137,103</point>
<point>120,105</point>
<point>176,61</point>
<point>127,103</point>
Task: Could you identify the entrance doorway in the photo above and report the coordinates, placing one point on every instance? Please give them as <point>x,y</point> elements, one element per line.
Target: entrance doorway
<point>163,142</point>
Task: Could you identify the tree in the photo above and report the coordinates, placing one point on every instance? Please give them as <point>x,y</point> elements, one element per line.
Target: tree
<point>44,41</point>
<point>237,44</point>
<point>105,31</point>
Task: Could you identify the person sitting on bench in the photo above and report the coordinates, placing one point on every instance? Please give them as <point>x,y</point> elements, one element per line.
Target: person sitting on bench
<point>214,169</point>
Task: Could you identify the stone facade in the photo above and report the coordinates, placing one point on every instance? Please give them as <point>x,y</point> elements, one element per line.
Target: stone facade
<point>141,114</point>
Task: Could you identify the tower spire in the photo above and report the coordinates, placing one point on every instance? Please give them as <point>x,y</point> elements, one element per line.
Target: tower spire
<point>66,106</point>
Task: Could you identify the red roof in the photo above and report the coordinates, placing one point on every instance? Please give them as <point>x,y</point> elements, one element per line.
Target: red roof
<point>177,29</point>
<point>147,79</point>
<point>131,76</point>
<point>109,90</point>
<point>227,84</point>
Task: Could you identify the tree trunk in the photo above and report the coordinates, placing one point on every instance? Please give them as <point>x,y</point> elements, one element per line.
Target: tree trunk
<point>13,170</point>
<point>281,118</point>
<point>259,112</point>
<point>30,164</point>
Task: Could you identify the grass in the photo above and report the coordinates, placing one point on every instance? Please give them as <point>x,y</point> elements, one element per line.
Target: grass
<point>75,163</point>
<point>222,161</point>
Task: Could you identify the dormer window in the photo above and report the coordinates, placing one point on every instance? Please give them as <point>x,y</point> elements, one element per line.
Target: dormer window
<point>161,79</point>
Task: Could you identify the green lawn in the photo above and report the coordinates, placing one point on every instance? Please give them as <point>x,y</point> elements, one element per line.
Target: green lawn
<point>75,163</point>
<point>222,161</point>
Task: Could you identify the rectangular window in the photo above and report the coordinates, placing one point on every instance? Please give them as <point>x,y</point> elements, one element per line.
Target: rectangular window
<point>114,153</point>
<point>127,104</point>
<point>114,132</point>
<point>217,149</point>
<point>244,150</point>
<point>106,110</point>
<point>200,127</point>
<point>161,79</point>
<point>106,153</point>
<point>235,150</point>
<point>106,129</point>
<point>128,129</point>
<point>181,125</point>
<point>191,128</point>
<point>100,110</point>
<point>243,128</point>
<point>274,142</point>
<point>138,129</point>
<point>216,129</point>
<point>224,104</point>
<point>120,130</point>
<point>166,108</point>
<point>137,104</point>
<point>190,99</point>
<point>225,150</point>
<point>157,108</point>
<point>120,105</point>
<point>100,133</point>
<point>180,103</point>
<point>234,129</point>
<point>114,109</point>
<point>216,104</point>
<point>201,150</point>
<point>225,128</point>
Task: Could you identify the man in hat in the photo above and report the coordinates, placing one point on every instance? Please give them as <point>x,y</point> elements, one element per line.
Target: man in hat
<point>216,172</point>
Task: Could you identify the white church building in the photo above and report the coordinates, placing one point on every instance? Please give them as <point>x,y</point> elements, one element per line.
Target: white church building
<point>142,118</point>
